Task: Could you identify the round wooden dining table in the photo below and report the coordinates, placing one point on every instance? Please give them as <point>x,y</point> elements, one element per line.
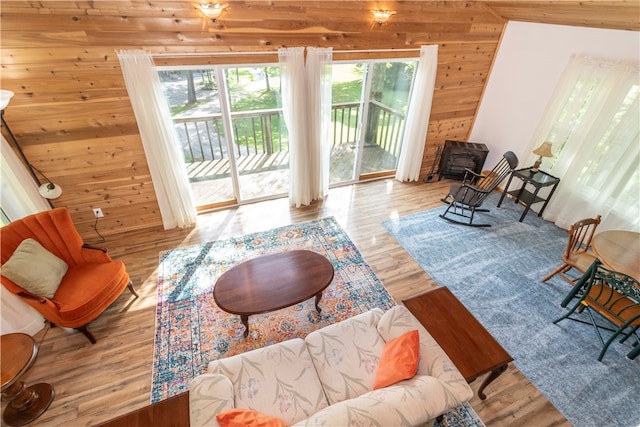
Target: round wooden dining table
<point>619,250</point>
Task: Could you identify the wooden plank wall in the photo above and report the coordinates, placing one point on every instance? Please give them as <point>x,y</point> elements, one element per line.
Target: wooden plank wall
<point>73,118</point>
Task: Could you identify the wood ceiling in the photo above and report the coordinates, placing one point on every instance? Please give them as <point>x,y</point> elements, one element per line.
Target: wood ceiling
<point>72,115</point>
<point>618,15</point>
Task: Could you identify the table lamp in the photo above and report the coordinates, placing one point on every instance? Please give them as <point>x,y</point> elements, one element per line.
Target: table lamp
<point>543,150</point>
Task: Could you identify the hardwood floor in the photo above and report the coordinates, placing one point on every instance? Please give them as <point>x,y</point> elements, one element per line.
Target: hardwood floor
<point>94,383</point>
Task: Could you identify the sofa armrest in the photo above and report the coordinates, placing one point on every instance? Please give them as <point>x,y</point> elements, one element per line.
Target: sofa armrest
<point>433,360</point>
<point>209,394</point>
<point>94,254</point>
<point>411,402</point>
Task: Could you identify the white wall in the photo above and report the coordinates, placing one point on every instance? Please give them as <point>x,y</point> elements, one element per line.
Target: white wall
<point>19,197</point>
<point>528,65</point>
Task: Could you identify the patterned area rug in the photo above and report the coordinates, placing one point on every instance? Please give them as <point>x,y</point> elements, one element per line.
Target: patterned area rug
<point>191,330</point>
<point>462,416</point>
<point>495,272</point>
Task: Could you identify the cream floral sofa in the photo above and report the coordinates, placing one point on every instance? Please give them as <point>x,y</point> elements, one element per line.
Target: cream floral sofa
<point>327,378</point>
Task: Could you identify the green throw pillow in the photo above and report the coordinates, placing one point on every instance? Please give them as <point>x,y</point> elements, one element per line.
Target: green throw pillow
<point>35,269</point>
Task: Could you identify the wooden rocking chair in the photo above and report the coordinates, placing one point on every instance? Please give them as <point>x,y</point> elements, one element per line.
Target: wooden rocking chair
<point>466,198</point>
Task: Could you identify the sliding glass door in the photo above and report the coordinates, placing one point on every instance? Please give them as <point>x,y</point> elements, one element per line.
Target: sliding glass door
<point>231,132</point>
<point>370,101</point>
<point>258,130</point>
<point>234,139</point>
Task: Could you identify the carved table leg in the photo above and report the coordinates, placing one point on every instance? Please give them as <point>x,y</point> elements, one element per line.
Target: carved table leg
<point>318,296</point>
<point>492,376</point>
<point>245,322</point>
<point>26,403</point>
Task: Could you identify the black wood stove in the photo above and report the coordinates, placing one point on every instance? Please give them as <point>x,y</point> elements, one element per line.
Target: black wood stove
<point>458,156</point>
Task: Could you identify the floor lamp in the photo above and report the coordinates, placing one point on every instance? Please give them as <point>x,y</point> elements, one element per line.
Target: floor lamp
<point>48,190</point>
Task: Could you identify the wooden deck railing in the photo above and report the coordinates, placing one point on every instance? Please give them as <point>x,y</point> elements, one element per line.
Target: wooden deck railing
<point>261,132</point>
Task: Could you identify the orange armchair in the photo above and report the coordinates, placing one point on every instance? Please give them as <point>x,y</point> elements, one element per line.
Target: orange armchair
<point>92,282</point>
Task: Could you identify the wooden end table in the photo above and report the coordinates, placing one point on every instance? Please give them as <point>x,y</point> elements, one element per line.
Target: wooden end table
<point>538,179</point>
<point>271,282</point>
<point>173,412</point>
<point>18,352</point>
<point>467,343</point>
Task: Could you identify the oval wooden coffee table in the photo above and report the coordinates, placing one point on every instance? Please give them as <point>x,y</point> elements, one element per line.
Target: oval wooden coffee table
<point>271,282</point>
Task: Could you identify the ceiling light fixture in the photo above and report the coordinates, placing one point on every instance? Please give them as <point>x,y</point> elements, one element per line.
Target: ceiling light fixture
<point>212,10</point>
<point>381,16</point>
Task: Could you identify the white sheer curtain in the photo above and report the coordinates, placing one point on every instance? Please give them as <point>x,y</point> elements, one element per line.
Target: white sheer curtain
<point>18,191</point>
<point>593,122</point>
<point>318,96</point>
<point>159,139</point>
<point>294,105</point>
<point>19,197</point>
<point>415,133</point>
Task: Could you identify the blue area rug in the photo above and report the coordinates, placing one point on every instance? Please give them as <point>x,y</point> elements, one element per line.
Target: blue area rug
<point>495,272</point>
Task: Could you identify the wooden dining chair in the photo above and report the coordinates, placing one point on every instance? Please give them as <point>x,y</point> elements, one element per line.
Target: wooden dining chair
<point>578,252</point>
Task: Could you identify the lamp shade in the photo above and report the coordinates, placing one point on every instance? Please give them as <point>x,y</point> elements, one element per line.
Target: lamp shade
<point>5,96</point>
<point>544,150</point>
<point>50,190</point>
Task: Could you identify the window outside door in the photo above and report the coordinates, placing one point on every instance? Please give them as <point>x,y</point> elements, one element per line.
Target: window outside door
<point>231,132</point>
<point>369,106</point>
<point>234,139</point>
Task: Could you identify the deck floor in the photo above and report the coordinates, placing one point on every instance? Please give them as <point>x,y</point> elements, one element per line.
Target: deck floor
<point>263,175</point>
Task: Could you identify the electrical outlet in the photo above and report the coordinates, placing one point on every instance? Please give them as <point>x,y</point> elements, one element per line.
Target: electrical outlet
<point>97,212</point>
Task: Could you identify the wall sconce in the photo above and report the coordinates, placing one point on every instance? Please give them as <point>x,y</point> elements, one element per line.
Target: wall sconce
<point>381,16</point>
<point>212,10</point>
<point>543,150</point>
<point>48,190</point>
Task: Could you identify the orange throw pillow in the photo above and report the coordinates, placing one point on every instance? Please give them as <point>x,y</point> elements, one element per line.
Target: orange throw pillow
<point>239,417</point>
<point>399,360</point>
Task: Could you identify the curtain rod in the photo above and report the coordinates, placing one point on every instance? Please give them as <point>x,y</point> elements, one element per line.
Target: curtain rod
<point>377,50</point>
<point>274,52</point>
<point>271,52</point>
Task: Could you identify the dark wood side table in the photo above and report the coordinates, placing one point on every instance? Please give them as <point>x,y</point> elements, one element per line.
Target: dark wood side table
<point>537,180</point>
<point>467,343</point>
<point>171,412</point>
<point>18,352</point>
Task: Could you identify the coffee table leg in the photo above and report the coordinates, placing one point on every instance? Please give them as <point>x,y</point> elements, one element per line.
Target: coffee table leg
<point>492,376</point>
<point>318,296</point>
<point>245,322</point>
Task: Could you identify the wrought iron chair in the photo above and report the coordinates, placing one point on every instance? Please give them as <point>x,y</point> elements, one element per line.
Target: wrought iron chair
<point>577,254</point>
<point>614,296</point>
<point>466,198</point>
